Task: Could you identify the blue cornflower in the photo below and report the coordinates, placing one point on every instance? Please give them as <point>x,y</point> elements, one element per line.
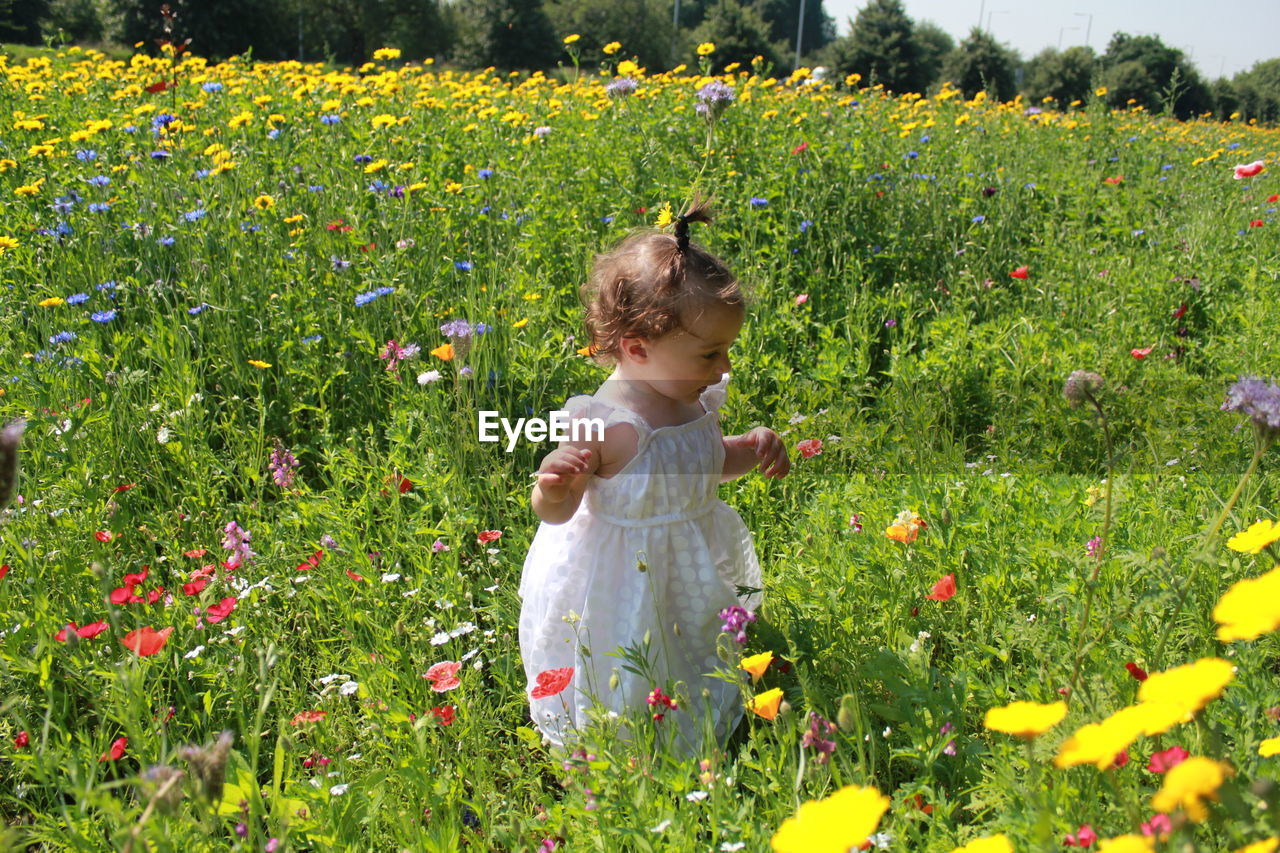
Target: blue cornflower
<point>1166,167</point>
<point>607,220</point>
<point>103,316</point>
<point>63,205</point>
<point>194,215</point>
<point>106,285</point>
<point>384,290</point>
<point>41,355</point>
<point>361,159</point>
<point>911,155</point>
<point>212,86</point>
<point>99,180</point>
<point>925,138</point>
<point>201,174</point>
<point>330,119</point>
<point>166,241</point>
<point>160,154</point>
<point>1133,139</point>
<point>338,263</point>
<point>98,207</point>
<point>484,173</point>
<point>62,338</point>
<point>196,309</point>
<point>979,218</point>
<point>86,154</point>
<point>397,191</point>
<point>1233,146</point>
<point>1138,232</point>
<point>77,298</point>
<point>481,328</point>
<point>130,128</point>
<point>63,230</point>
<point>162,120</point>
<point>756,201</point>
<point>1112,159</point>
<point>482,211</point>
<point>250,227</point>
<point>805,225</point>
<point>273,133</point>
<point>377,187</point>
<point>72,361</point>
<point>365,298</point>
<point>1028,186</point>
<point>463,266</point>
<point>311,339</point>
<point>315,188</point>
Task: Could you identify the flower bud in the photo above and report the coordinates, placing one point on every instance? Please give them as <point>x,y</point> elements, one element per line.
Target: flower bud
<point>845,718</point>
<point>1080,385</point>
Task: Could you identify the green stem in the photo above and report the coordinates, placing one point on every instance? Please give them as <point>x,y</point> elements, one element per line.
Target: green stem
<point>1101,549</point>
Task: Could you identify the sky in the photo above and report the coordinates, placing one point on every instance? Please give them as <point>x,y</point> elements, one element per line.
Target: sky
<point>1221,37</point>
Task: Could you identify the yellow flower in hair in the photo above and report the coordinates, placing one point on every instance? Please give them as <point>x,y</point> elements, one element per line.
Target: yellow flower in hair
<point>664,216</point>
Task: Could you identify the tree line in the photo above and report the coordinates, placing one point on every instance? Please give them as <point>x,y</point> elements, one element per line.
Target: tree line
<point>884,45</point>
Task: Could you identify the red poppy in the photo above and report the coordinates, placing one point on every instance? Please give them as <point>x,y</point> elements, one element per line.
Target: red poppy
<point>943,589</point>
<point>195,553</point>
<point>118,746</point>
<point>810,447</point>
<point>801,148</point>
<point>194,587</point>
<point>311,562</point>
<point>368,246</point>
<point>1255,223</point>
<point>21,741</point>
<point>1140,352</point>
<point>917,801</point>
<point>405,485</point>
<point>121,595</point>
<point>1121,759</point>
<point>102,535</point>
<point>4,570</point>
<point>146,641</point>
<point>1273,198</point>
<point>444,714</point>
<point>85,632</point>
<point>307,717</point>
<point>444,675</point>
<point>1136,671</point>
<point>1163,762</point>
<point>484,537</point>
<point>354,576</point>
<point>124,488</point>
<point>1020,272</point>
<point>159,87</point>
<point>1179,311</point>
<point>552,682</point>
<point>155,594</point>
<point>217,612</point>
<point>136,577</point>
<point>1084,837</point>
<point>1116,180</point>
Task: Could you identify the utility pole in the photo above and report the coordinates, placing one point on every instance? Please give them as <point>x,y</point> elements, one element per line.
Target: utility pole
<point>1088,27</point>
<point>1061,30</point>
<point>675,34</point>
<point>799,32</point>
<point>994,12</point>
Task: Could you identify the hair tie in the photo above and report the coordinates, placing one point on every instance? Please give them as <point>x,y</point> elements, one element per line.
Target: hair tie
<point>682,233</point>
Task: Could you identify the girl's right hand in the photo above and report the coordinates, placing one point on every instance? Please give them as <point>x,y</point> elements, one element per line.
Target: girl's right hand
<point>558,469</point>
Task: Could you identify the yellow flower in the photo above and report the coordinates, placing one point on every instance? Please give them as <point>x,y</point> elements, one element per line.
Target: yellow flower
<point>387,53</point>
<point>29,189</point>
<point>1269,747</point>
<point>28,124</point>
<point>1156,718</point>
<point>571,39</point>
<point>240,119</point>
<point>1128,844</point>
<point>994,844</point>
<point>444,352</point>
<point>520,324</point>
<point>1268,846</point>
<point>1025,719</point>
<point>1259,535</point>
<point>297,217</point>
<point>261,365</point>
<point>264,202</point>
<point>453,187</point>
<point>7,242</point>
<point>766,705</point>
<point>612,47</point>
<point>52,302</point>
<point>1100,743</point>
<point>1193,685</point>
<point>1092,495</point>
<point>905,527</point>
<point>376,166</point>
<point>1250,608</point>
<point>757,664</point>
<point>383,120</point>
<point>627,68</point>
<point>664,216</point>
<point>843,820</point>
<point>7,164</point>
<point>1100,91</point>
<point>706,48</point>
<point>1187,785</point>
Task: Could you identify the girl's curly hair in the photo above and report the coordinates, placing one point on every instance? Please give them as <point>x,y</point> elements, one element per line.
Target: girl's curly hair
<point>647,285</point>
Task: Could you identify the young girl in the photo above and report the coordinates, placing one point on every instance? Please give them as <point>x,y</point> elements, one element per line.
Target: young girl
<point>635,549</point>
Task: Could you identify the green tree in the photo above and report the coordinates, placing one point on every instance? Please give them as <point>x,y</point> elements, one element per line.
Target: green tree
<point>643,27</point>
<point>783,18</point>
<point>882,47</point>
<point>79,20</point>
<point>1258,90</point>
<point>1146,70</point>
<point>217,28</point>
<point>20,20</point>
<point>981,64</point>
<point>740,34</point>
<point>933,44</point>
<point>1065,76</point>
<point>507,34</point>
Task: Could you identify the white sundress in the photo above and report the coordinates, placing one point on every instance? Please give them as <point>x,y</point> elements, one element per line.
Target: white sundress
<point>662,512</point>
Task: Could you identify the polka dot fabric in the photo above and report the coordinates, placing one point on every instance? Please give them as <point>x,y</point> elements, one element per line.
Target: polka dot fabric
<point>651,550</point>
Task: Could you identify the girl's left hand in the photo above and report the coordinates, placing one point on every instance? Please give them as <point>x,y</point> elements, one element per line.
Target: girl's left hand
<point>771,452</point>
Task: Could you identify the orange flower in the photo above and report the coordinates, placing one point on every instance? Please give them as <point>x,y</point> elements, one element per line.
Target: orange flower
<point>307,717</point>
<point>905,527</point>
<point>944,589</point>
<point>766,704</point>
<point>444,352</point>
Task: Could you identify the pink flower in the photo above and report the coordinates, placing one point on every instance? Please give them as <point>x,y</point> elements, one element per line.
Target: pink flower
<point>1158,825</point>
<point>802,299</point>
<point>1249,169</point>
<point>1163,762</point>
<point>810,447</point>
<point>1141,352</point>
<point>444,676</point>
<point>1084,837</point>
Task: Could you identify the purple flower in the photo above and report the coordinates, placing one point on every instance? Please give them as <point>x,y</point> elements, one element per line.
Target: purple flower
<point>735,621</point>
<point>282,465</point>
<point>620,87</point>
<point>361,159</point>
<point>890,323</point>
<point>338,263</point>
<point>237,542</point>
<point>1260,400</point>
<point>713,98</point>
<point>455,329</point>
<point>756,201</point>
<point>1091,547</point>
<point>819,728</point>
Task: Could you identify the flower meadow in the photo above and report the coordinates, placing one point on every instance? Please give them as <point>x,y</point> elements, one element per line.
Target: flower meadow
<point>258,581</point>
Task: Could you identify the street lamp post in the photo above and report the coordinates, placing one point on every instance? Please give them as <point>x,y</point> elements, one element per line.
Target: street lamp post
<point>799,33</point>
<point>1062,30</point>
<point>1088,27</point>
<point>994,12</point>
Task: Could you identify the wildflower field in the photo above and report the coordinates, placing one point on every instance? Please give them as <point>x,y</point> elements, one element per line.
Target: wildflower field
<point>251,312</point>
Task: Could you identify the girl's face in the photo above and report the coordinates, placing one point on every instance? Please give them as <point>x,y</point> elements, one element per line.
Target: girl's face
<point>681,365</point>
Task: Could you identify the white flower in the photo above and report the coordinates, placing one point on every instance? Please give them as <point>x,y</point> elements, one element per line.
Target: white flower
<point>888,730</point>
<point>428,377</point>
<point>662,827</point>
<point>464,628</point>
<point>410,593</point>
<point>881,840</point>
<point>339,790</point>
<point>696,796</point>
<point>469,655</point>
<point>795,419</point>
<point>440,639</point>
<point>730,846</point>
<point>349,687</point>
<point>390,577</point>
<point>333,676</point>
<point>236,630</point>
<point>194,653</point>
<point>163,435</point>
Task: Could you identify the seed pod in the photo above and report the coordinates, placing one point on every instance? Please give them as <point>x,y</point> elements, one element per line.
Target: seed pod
<point>845,716</point>
<point>10,438</point>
